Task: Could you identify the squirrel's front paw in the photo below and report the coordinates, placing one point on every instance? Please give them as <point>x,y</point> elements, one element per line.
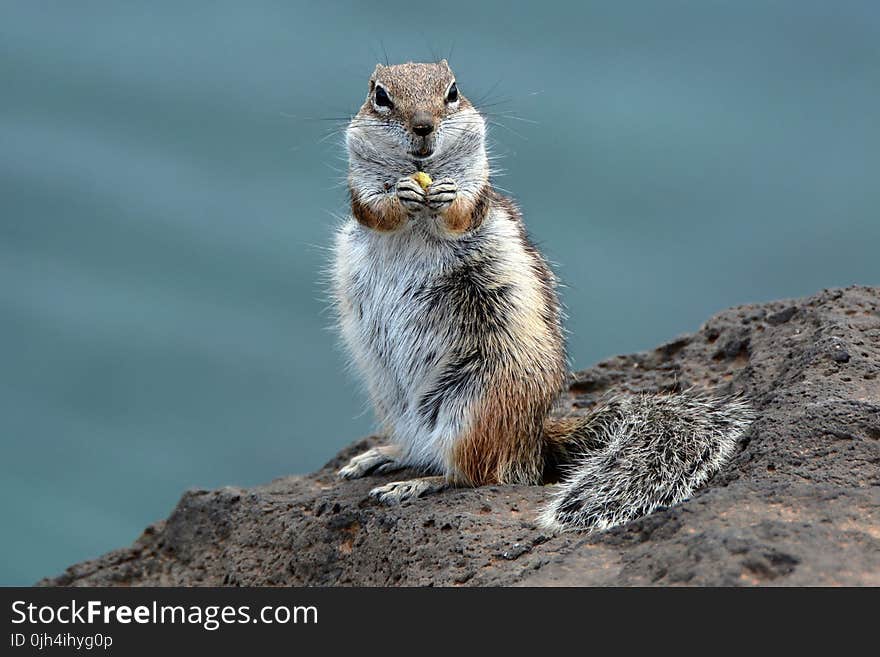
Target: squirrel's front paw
<point>410,194</point>
<point>441,193</point>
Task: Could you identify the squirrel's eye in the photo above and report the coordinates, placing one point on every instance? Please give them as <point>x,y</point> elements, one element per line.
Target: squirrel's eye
<point>452,94</point>
<point>382,99</point>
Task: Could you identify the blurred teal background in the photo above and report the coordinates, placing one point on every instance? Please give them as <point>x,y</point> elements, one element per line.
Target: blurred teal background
<point>166,202</point>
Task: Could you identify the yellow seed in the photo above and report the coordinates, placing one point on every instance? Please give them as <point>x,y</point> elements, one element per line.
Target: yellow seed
<point>422,178</point>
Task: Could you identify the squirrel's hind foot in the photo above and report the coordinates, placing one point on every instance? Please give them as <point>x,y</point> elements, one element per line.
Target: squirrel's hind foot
<point>399,491</point>
<point>377,460</point>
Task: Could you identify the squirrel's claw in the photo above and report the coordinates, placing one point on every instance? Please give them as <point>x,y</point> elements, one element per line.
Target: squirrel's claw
<point>410,194</point>
<point>441,194</point>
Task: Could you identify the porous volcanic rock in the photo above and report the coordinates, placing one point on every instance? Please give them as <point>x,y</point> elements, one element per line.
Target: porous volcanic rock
<point>799,504</point>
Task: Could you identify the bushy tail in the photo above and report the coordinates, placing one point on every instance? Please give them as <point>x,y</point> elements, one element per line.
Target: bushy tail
<point>635,453</point>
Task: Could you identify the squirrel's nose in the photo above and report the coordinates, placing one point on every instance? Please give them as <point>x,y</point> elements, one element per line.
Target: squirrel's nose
<point>423,125</point>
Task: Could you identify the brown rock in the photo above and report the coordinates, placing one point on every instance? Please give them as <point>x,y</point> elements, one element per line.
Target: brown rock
<point>798,505</point>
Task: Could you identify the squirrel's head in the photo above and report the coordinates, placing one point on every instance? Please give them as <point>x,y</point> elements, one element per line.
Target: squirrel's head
<point>415,113</point>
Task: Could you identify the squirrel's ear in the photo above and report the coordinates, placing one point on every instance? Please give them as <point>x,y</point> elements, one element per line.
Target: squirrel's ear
<point>445,64</point>
<point>375,74</point>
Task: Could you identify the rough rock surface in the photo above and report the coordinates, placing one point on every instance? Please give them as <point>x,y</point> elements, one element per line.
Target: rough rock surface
<point>799,504</point>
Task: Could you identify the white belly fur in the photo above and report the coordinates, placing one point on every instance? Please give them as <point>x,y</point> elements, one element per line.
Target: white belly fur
<point>398,350</point>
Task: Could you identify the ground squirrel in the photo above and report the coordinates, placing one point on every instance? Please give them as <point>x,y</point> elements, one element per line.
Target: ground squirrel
<point>451,315</point>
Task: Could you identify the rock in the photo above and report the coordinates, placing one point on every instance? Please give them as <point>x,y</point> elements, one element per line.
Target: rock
<point>798,505</point>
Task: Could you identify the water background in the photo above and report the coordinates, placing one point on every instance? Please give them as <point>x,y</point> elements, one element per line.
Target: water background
<point>166,202</point>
